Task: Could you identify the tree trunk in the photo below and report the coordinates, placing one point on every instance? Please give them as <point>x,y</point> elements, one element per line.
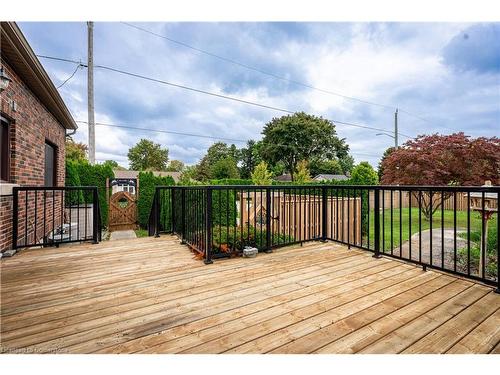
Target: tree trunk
<point>426,198</point>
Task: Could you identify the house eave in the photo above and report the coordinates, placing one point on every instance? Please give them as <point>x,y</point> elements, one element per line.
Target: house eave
<point>17,53</point>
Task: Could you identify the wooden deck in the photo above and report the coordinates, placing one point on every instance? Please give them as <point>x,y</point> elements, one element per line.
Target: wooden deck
<point>149,295</point>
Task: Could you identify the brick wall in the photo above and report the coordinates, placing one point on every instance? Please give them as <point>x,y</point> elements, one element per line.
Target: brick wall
<point>31,127</point>
<point>5,222</point>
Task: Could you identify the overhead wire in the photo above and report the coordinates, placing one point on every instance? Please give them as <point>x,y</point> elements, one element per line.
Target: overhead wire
<point>270,74</point>
<point>136,75</point>
<point>69,78</point>
<point>227,97</point>
<point>192,135</point>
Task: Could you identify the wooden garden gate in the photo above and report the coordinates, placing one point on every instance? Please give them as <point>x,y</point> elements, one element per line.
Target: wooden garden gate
<point>122,211</point>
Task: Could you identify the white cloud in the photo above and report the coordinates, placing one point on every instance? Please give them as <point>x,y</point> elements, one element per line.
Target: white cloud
<point>397,64</point>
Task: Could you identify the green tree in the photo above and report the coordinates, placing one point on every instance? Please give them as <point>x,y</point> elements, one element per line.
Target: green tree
<point>324,166</point>
<point>224,168</point>
<point>114,165</point>
<point>380,169</point>
<point>215,153</point>
<point>277,169</point>
<point>346,163</point>
<point>234,153</point>
<point>261,175</point>
<point>302,175</point>
<point>147,155</point>
<point>75,151</point>
<point>292,138</point>
<point>364,174</point>
<point>250,158</point>
<point>175,166</point>
<point>188,175</point>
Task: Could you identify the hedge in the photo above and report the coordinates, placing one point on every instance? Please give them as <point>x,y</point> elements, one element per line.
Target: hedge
<point>232,181</point>
<point>81,173</point>
<point>96,175</point>
<point>224,207</point>
<point>73,179</point>
<point>147,184</point>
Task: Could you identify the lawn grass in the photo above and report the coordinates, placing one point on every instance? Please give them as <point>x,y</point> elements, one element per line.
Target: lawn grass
<point>407,232</point>
<point>141,233</point>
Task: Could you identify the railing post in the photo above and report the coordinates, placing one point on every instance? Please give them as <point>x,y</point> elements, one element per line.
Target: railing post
<point>376,225</point>
<point>208,223</point>
<point>172,209</point>
<point>15,214</point>
<point>99,226</point>
<point>268,221</point>
<point>323,213</point>
<point>183,214</point>
<point>95,215</point>
<point>498,243</point>
<point>157,212</point>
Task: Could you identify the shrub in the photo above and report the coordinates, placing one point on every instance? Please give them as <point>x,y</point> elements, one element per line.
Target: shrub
<point>232,181</point>
<point>147,184</point>
<point>234,239</point>
<point>364,174</point>
<point>73,197</point>
<point>302,174</point>
<point>90,175</point>
<point>224,207</point>
<point>490,256</point>
<point>260,175</point>
<point>475,237</point>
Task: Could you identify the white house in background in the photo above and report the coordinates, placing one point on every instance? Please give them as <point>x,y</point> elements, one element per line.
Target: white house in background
<point>329,177</point>
<point>129,180</point>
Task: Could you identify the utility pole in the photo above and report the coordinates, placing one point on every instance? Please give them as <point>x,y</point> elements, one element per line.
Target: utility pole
<point>90,88</point>
<point>396,128</point>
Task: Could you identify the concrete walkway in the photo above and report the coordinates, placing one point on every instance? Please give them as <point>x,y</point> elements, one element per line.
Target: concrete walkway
<point>439,244</point>
<point>122,235</point>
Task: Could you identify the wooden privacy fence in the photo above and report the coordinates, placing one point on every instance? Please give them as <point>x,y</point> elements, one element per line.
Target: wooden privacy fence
<point>388,196</point>
<point>300,216</point>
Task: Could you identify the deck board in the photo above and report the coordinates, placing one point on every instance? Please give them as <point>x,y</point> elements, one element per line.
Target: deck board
<point>150,295</point>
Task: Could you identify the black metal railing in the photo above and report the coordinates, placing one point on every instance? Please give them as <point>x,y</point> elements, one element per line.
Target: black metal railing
<point>50,216</point>
<point>453,229</point>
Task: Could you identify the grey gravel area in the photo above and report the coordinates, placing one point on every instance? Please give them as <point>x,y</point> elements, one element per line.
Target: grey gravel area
<point>439,243</point>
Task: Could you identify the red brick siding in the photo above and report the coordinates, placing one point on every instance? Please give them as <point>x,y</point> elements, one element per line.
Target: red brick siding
<point>32,126</point>
<point>5,222</point>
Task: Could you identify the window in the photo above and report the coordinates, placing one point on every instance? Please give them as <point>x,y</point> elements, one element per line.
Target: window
<point>127,188</point>
<point>50,164</point>
<point>4,150</point>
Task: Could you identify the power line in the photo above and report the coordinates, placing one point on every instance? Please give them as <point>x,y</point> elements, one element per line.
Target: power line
<point>61,59</point>
<point>192,89</point>
<point>234,99</point>
<point>193,135</point>
<point>136,75</point>
<point>243,65</point>
<point>71,76</point>
<point>249,67</point>
<point>166,132</point>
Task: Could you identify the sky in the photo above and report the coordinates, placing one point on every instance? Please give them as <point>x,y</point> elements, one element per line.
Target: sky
<point>443,77</point>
